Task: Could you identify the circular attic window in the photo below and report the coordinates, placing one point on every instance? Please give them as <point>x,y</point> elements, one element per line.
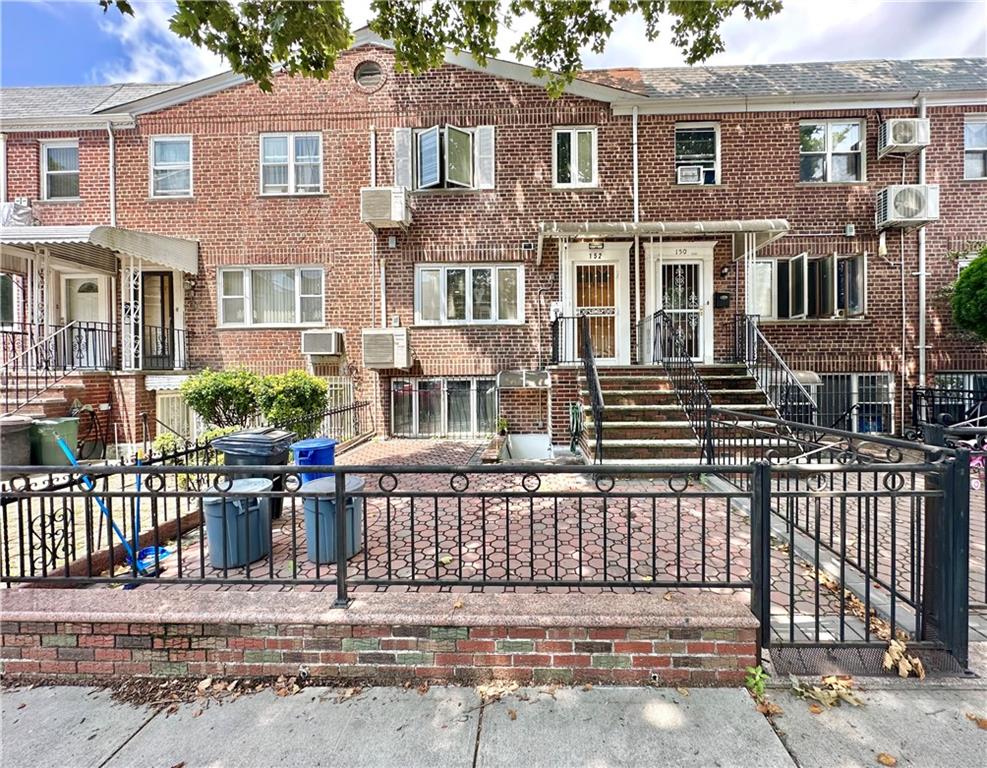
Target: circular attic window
<point>368,74</point>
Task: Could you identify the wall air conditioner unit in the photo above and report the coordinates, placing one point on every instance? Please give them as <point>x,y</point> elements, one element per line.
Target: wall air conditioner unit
<point>903,135</point>
<point>386,348</point>
<point>324,342</point>
<point>385,207</point>
<point>907,205</point>
<point>690,174</point>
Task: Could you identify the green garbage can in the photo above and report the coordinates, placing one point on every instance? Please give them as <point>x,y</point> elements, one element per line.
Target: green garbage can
<point>44,440</point>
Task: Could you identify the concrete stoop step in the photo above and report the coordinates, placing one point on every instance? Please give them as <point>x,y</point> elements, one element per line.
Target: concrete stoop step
<point>644,421</point>
<point>50,401</point>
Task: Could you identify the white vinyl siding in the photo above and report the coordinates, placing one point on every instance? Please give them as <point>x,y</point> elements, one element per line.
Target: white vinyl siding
<point>975,147</point>
<point>171,166</point>
<point>60,170</point>
<point>832,151</point>
<point>455,294</point>
<point>574,157</point>
<point>271,296</point>
<point>290,163</point>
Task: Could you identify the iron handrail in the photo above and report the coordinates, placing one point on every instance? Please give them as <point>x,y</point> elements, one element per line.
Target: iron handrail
<point>779,383</point>
<point>668,348</point>
<point>588,359</point>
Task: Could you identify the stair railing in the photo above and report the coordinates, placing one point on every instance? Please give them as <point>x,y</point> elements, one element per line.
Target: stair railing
<point>670,347</point>
<point>779,383</point>
<point>588,359</point>
<point>69,348</point>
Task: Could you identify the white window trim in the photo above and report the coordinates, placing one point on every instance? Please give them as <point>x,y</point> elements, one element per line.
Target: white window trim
<point>443,184</point>
<point>291,191</point>
<point>978,118</point>
<point>151,167</point>
<point>494,293</point>
<point>59,144</point>
<point>862,123</point>
<point>574,157</point>
<point>716,161</point>
<point>414,381</point>
<point>248,314</point>
<point>836,258</point>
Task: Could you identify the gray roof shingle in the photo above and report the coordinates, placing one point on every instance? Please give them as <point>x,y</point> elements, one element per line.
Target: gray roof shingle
<point>74,100</point>
<point>826,77</point>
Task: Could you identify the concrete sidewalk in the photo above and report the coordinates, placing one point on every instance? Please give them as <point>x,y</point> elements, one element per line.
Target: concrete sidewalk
<point>451,727</point>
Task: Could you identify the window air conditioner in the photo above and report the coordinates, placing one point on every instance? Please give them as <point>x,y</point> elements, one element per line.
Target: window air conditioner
<point>326,341</point>
<point>385,207</point>
<point>903,135</point>
<point>907,205</point>
<point>690,174</point>
<point>386,348</point>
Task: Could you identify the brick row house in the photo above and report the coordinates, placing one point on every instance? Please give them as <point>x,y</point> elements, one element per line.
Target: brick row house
<point>437,238</point>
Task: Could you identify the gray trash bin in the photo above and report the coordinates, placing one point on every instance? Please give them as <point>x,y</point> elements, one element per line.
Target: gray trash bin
<point>246,534</point>
<point>263,446</point>
<point>15,442</point>
<point>321,548</point>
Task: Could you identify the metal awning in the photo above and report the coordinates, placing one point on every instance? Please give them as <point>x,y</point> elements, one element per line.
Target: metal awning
<point>766,229</point>
<point>98,247</point>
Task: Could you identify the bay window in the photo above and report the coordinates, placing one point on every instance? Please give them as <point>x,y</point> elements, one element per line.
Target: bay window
<point>810,287</point>
<point>453,294</point>
<point>831,151</point>
<point>464,407</point>
<point>60,170</point>
<point>290,163</point>
<point>271,296</point>
<point>574,157</point>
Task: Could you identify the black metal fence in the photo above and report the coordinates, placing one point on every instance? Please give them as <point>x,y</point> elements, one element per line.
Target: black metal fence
<point>948,407</point>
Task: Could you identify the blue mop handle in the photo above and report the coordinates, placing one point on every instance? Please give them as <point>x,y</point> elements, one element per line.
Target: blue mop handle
<point>90,485</point>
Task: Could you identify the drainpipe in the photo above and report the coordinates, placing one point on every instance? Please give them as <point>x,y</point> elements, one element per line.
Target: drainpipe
<point>113,175</point>
<point>637,240</point>
<point>3,167</point>
<point>383,289</point>
<point>921,267</point>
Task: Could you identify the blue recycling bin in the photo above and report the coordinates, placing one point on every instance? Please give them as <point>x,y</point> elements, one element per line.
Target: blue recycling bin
<point>246,534</point>
<point>316,451</point>
<point>321,546</point>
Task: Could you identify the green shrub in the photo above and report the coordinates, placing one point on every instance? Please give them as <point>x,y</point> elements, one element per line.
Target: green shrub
<point>969,297</point>
<point>222,398</point>
<point>293,400</point>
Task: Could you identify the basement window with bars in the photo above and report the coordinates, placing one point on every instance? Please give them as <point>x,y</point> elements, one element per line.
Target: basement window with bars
<point>444,157</point>
<point>831,151</point>
<point>453,294</point>
<point>811,287</point>
<point>856,402</point>
<point>443,407</point>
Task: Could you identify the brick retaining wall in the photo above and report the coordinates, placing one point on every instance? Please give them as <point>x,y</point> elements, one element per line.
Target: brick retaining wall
<point>381,638</point>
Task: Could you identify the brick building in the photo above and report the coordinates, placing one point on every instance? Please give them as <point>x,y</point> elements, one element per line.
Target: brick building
<point>174,227</point>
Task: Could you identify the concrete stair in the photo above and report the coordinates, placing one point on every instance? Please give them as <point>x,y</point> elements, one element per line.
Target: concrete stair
<point>55,400</point>
<point>644,423</point>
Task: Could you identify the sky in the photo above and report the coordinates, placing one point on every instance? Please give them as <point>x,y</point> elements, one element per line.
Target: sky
<point>63,42</point>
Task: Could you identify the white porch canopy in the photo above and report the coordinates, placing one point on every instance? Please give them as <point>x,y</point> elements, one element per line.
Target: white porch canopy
<point>763,230</point>
<point>98,246</point>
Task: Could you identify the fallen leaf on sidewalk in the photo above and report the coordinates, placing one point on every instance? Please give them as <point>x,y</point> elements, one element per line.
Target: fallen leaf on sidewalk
<point>980,721</point>
<point>496,690</point>
<point>683,691</point>
<point>885,759</point>
<point>769,709</point>
<point>445,559</point>
<point>458,604</point>
<point>178,765</point>
<point>588,687</point>
<point>512,713</point>
<point>897,657</point>
<point>204,684</point>
<point>815,709</point>
<point>834,690</point>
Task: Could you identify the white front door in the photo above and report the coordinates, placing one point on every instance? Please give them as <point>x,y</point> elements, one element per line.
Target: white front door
<point>681,280</point>
<point>88,342</point>
<point>596,279</point>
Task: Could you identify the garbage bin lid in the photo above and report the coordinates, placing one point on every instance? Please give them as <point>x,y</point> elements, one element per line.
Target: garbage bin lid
<point>242,485</point>
<point>260,441</point>
<point>354,484</point>
<point>315,442</point>
<point>15,423</point>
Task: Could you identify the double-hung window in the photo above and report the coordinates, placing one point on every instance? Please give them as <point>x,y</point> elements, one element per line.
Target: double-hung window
<point>453,294</point>
<point>60,170</point>
<point>697,153</point>
<point>815,287</point>
<point>574,157</point>
<point>7,311</point>
<point>975,147</point>
<point>290,163</point>
<point>858,402</point>
<point>171,166</point>
<point>831,151</point>
<point>271,296</point>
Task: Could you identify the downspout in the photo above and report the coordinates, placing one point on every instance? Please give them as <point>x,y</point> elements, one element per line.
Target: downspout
<point>3,167</point>
<point>113,175</point>
<point>637,239</point>
<point>921,267</point>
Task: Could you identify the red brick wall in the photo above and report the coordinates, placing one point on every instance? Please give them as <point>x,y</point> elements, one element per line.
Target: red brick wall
<point>378,653</point>
<point>759,160</point>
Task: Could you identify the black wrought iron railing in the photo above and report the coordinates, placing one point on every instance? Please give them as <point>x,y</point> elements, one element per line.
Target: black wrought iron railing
<point>671,346</point>
<point>64,350</point>
<point>778,382</point>
<point>343,423</point>
<point>948,407</point>
<point>164,348</point>
<point>565,348</point>
<point>596,407</point>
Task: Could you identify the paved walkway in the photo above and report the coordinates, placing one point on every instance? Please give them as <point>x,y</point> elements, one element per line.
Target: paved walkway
<point>919,724</point>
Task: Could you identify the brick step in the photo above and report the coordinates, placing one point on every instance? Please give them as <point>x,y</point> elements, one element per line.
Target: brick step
<point>687,449</point>
<point>635,397</point>
<point>653,413</point>
<point>607,382</point>
<point>636,430</point>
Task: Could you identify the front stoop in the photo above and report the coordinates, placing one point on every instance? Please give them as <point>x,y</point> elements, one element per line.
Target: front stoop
<point>382,638</point>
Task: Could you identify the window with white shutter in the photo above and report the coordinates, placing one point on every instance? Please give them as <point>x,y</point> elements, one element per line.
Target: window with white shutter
<point>444,157</point>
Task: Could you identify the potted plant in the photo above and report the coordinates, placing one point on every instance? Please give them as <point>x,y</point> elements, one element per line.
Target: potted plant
<point>502,426</point>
